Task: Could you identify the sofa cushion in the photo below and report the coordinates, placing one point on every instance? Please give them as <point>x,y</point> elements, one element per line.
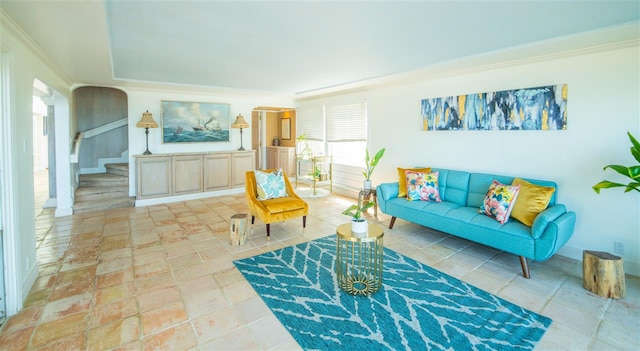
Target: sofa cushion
<point>402,178</point>
<point>499,201</point>
<point>532,199</point>
<point>270,185</point>
<point>453,185</point>
<point>422,186</point>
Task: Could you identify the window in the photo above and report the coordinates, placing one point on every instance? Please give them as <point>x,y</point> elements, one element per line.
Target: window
<point>340,131</point>
<point>310,123</point>
<point>347,133</point>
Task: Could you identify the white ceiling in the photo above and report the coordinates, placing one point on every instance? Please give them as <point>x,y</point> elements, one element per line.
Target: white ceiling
<point>292,47</point>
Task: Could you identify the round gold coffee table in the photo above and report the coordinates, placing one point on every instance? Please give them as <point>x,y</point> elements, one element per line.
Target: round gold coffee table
<point>359,259</point>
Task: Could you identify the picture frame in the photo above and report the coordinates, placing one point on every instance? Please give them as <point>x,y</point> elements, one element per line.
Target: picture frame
<point>195,122</point>
<point>536,108</point>
<point>285,129</point>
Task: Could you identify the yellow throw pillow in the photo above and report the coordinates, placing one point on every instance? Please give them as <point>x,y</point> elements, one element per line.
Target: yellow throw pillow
<point>532,200</point>
<point>402,179</point>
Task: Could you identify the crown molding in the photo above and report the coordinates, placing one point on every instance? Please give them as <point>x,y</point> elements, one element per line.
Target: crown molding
<point>10,26</point>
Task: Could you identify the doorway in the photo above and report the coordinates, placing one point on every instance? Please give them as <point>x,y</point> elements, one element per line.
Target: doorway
<point>265,126</point>
<point>44,170</point>
<point>40,154</point>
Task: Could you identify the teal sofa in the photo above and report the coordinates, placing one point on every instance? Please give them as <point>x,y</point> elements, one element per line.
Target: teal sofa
<point>458,214</point>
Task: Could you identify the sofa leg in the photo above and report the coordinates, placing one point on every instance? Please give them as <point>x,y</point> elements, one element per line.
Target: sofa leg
<point>393,221</point>
<point>268,231</point>
<point>304,222</point>
<point>253,219</point>
<point>525,267</point>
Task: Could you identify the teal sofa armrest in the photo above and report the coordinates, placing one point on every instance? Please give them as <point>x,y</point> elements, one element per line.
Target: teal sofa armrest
<point>386,192</point>
<point>557,233</point>
<point>545,217</point>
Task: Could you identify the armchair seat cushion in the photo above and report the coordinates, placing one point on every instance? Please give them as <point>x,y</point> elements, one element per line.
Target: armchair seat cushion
<point>283,204</point>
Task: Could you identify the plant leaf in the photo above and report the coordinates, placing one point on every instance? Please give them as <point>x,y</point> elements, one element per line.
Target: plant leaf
<point>367,206</point>
<point>632,186</point>
<point>619,169</point>
<point>631,172</point>
<point>605,184</point>
<point>377,157</point>
<point>635,149</point>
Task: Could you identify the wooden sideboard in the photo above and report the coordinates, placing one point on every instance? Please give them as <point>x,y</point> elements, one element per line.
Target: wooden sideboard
<point>282,157</point>
<point>162,175</point>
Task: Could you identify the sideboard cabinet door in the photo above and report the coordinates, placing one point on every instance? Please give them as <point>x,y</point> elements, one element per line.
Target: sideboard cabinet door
<point>241,163</point>
<point>287,160</point>
<point>272,157</point>
<point>187,174</point>
<point>154,177</point>
<point>217,172</point>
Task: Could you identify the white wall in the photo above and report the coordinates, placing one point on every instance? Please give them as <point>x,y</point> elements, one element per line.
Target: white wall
<point>141,101</point>
<point>603,104</point>
<point>24,65</point>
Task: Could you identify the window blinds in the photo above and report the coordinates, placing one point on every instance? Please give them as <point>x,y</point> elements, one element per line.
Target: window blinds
<point>347,123</point>
<point>310,121</point>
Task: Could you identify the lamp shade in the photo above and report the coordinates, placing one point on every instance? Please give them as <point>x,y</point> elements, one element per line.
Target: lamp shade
<point>240,122</point>
<point>147,121</point>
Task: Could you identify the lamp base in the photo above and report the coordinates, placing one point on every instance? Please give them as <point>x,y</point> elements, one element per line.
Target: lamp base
<point>241,148</point>
<point>146,132</point>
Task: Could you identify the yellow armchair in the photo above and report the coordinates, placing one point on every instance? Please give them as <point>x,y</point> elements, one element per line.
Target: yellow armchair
<point>274,210</point>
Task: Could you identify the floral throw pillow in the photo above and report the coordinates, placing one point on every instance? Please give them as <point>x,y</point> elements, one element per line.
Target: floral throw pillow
<point>270,184</point>
<point>500,201</point>
<point>402,178</point>
<point>422,186</point>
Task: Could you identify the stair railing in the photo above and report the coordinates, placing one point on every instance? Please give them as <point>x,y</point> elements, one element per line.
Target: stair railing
<point>87,134</point>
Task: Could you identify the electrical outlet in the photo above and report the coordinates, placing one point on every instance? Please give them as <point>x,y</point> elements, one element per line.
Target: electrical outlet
<point>618,248</point>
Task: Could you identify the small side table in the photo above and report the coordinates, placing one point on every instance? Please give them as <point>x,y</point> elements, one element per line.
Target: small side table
<point>359,259</point>
<point>238,229</point>
<point>365,195</point>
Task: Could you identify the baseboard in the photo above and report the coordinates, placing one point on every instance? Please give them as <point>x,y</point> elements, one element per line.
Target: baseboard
<point>632,268</point>
<point>27,283</point>
<point>186,197</point>
<point>62,212</point>
<point>50,203</point>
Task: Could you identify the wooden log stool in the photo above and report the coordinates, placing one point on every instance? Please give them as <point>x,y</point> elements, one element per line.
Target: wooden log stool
<point>238,229</point>
<point>603,274</point>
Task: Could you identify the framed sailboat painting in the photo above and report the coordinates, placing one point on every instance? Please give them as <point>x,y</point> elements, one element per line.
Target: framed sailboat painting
<point>194,122</point>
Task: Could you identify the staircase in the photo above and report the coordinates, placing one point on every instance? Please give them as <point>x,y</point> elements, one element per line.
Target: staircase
<point>103,191</point>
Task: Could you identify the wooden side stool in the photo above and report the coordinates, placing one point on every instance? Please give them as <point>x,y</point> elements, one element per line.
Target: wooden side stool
<point>603,274</point>
<point>238,229</point>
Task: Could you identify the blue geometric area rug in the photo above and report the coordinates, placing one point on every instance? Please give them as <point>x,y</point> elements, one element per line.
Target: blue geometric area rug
<point>417,308</point>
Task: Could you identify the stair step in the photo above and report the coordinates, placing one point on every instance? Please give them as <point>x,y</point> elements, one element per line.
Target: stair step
<point>93,193</point>
<point>105,204</point>
<point>103,179</point>
<point>121,169</point>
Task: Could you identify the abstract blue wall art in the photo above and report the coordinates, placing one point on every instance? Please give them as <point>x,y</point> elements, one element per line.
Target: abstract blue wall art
<point>539,108</point>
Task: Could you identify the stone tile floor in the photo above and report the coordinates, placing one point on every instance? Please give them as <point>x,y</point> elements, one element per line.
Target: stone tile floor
<point>162,277</point>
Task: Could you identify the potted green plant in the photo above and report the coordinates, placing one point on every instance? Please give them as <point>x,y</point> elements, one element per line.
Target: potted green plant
<point>304,150</point>
<point>632,172</point>
<point>316,174</point>
<point>358,224</point>
<point>370,164</point>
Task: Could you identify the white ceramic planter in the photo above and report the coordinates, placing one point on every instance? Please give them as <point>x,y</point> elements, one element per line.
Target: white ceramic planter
<point>359,226</point>
<point>367,185</point>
